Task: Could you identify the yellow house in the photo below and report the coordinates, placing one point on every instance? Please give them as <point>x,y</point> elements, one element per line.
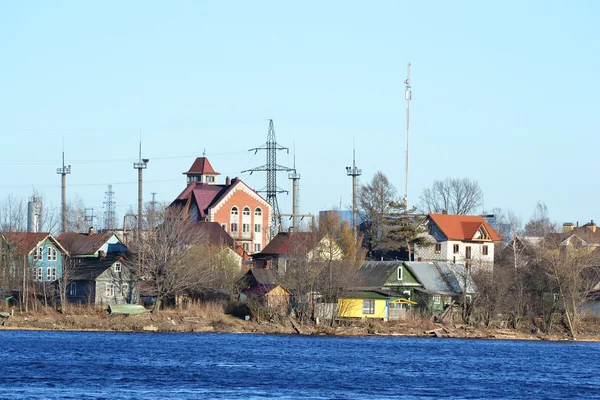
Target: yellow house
<point>372,304</point>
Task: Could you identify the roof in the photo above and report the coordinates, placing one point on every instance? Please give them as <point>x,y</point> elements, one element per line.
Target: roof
<point>89,269</point>
<point>290,243</point>
<point>212,233</point>
<point>24,242</point>
<point>376,273</point>
<point>374,295</point>
<point>429,275</point>
<point>201,166</point>
<point>262,275</point>
<point>261,289</point>
<point>584,233</point>
<point>462,227</point>
<point>454,274</point>
<point>78,244</point>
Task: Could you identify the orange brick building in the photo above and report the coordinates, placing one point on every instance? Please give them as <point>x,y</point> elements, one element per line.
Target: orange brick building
<point>242,212</point>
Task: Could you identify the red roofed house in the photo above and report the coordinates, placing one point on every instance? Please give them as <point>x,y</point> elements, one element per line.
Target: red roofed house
<point>459,238</point>
<point>239,210</point>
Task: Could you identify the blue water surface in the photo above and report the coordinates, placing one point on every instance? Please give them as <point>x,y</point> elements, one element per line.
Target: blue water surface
<point>104,365</point>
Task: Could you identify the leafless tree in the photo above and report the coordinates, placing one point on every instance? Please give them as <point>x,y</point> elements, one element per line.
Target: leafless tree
<point>451,196</point>
<point>374,201</point>
<point>165,258</point>
<point>540,224</point>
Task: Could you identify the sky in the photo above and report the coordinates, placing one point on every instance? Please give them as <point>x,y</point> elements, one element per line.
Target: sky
<point>504,92</point>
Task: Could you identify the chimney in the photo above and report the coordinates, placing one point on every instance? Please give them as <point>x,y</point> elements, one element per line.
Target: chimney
<point>228,181</point>
<point>568,227</point>
<point>91,230</point>
<point>591,226</point>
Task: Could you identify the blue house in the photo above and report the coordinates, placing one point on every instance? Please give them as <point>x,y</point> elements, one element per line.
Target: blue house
<point>42,252</point>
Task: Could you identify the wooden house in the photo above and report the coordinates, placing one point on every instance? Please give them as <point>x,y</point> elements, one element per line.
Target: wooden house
<point>373,304</point>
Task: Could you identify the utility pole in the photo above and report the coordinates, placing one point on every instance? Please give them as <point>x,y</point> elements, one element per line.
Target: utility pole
<point>271,167</point>
<point>354,172</point>
<point>408,97</point>
<point>140,165</point>
<point>64,171</point>
<point>295,177</point>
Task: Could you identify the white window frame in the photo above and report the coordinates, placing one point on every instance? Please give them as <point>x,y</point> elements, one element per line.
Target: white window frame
<point>400,273</point>
<point>52,254</point>
<point>246,228</point>
<point>73,289</point>
<point>38,255</point>
<point>437,299</point>
<point>234,227</point>
<point>125,289</point>
<point>258,212</point>
<point>38,274</point>
<point>456,248</point>
<point>51,274</point>
<point>368,307</point>
<point>235,211</point>
<point>406,293</point>
<point>256,247</point>
<point>246,211</point>
<point>437,248</point>
<point>118,267</point>
<point>210,178</point>
<point>257,228</point>
<point>110,290</point>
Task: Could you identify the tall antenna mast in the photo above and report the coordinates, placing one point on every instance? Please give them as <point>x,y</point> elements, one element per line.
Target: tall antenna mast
<point>140,165</point>
<point>295,177</point>
<point>408,97</point>
<point>354,173</point>
<point>271,167</point>
<point>63,171</point>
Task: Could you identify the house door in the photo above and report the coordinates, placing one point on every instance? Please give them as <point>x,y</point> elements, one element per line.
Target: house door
<point>468,253</point>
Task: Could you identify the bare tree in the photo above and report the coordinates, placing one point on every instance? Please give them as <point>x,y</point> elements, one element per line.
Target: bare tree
<point>163,257</point>
<point>374,201</point>
<point>451,196</point>
<point>540,223</point>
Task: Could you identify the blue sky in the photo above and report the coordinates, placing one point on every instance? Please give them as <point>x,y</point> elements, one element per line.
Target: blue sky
<point>504,92</point>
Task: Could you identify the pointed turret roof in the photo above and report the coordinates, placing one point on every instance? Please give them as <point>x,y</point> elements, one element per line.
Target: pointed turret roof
<point>201,167</point>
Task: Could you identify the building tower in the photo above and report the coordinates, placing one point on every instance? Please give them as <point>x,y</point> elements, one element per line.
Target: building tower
<point>109,210</point>
<point>34,214</point>
<point>63,171</point>
<point>295,177</point>
<point>271,167</point>
<point>354,172</point>
<point>140,165</point>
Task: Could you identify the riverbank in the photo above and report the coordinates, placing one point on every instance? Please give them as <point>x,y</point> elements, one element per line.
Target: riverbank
<point>214,320</point>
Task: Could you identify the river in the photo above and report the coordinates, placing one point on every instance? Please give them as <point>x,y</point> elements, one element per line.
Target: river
<point>104,365</point>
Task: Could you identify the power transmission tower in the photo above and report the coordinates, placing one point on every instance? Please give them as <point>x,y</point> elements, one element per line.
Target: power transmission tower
<point>109,210</point>
<point>271,167</point>
<point>89,217</point>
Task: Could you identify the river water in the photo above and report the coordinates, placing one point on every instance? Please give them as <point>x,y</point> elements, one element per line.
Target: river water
<point>103,365</point>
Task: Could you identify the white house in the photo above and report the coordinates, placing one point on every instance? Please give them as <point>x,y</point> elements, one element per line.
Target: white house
<point>460,239</point>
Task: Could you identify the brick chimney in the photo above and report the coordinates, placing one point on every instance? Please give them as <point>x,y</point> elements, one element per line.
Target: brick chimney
<point>228,181</point>
<point>91,231</point>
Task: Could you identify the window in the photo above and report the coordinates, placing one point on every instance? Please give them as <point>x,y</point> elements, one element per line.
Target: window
<point>556,297</point>
<point>246,211</point>
<point>234,211</point>
<point>39,252</point>
<point>484,250</point>
<point>125,289</point>
<point>110,290</point>
<point>406,294</point>
<point>234,227</point>
<point>456,249</point>
<point>437,299</point>
<point>468,298</point>
<point>400,273</point>
<point>246,247</point>
<point>468,252</point>
<point>52,254</point>
<point>246,228</point>
<point>430,229</point>
<point>257,228</point>
<point>448,300</point>
<point>368,307</point>
<point>50,274</point>
<point>210,178</point>
<point>117,267</point>
<point>257,212</point>
<point>438,248</point>
<point>224,226</point>
<point>256,247</point>
<point>38,274</point>
<point>73,289</point>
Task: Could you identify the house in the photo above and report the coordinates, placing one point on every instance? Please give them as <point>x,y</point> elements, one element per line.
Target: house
<point>289,247</point>
<point>212,233</point>
<point>42,252</point>
<point>262,287</point>
<point>102,281</point>
<point>242,212</point>
<point>465,239</point>
<point>91,244</point>
<point>373,304</point>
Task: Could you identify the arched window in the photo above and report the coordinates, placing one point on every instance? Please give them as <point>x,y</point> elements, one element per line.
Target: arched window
<point>257,212</point>
<point>246,211</point>
<point>234,211</point>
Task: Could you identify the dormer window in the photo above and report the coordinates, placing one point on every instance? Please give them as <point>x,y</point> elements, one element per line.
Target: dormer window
<point>210,179</point>
<point>234,211</point>
<point>246,211</point>
<point>117,267</point>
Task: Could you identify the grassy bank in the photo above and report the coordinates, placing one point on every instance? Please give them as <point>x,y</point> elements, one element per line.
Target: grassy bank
<point>212,318</point>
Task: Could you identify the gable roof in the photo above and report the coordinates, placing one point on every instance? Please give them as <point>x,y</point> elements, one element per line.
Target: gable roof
<point>376,273</point>
<point>463,227</point>
<point>24,242</point>
<point>201,166</point>
<point>89,269</point>
<point>79,244</point>
<point>292,242</point>
<point>262,276</point>
<point>262,289</point>
<point>212,233</point>
<point>444,278</point>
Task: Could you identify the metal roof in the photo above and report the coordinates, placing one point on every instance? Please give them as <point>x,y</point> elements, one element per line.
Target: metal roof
<point>429,275</point>
<point>376,273</point>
